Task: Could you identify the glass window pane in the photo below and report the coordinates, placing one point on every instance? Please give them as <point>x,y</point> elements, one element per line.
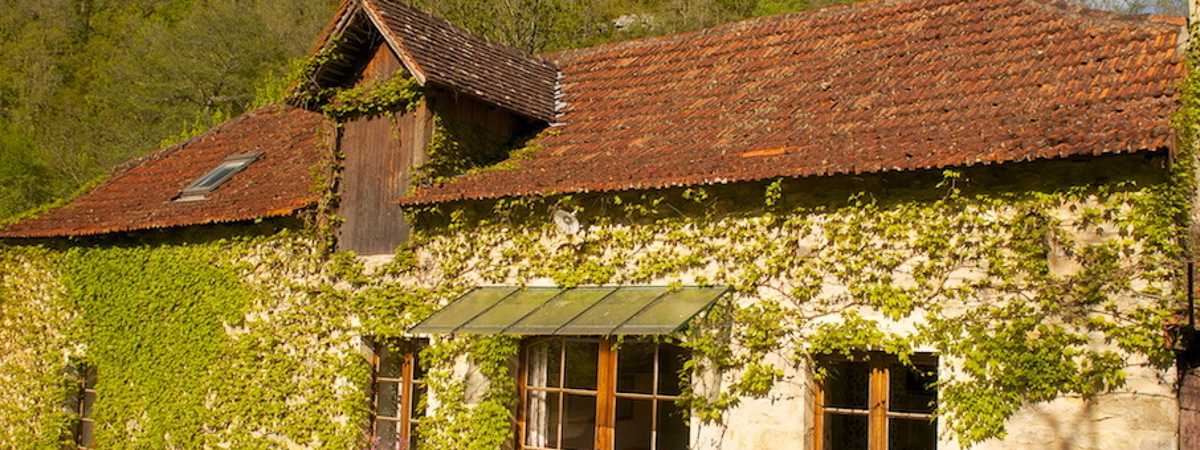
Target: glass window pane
<point>89,400</point>
<point>390,362</point>
<point>583,358</point>
<point>612,311</point>
<point>905,434</point>
<point>673,429</point>
<point>671,312</point>
<point>415,411</point>
<point>845,432</point>
<point>388,395</point>
<point>847,384</point>
<point>510,310</point>
<point>632,431</point>
<point>559,310</point>
<point>418,368</point>
<point>89,377</point>
<point>912,390</point>
<point>579,422</point>
<point>542,363</point>
<point>635,367</point>
<point>210,180</point>
<point>385,435</point>
<point>87,433</point>
<point>671,359</point>
<point>541,419</point>
<point>462,310</point>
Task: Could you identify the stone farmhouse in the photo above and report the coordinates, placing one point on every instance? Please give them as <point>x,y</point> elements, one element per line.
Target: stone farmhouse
<point>897,224</point>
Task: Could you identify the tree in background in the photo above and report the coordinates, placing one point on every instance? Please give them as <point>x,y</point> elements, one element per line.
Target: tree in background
<point>88,84</point>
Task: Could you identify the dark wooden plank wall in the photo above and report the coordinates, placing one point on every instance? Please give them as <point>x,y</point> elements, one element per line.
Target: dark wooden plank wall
<point>498,123</point>
<point>379,153</point>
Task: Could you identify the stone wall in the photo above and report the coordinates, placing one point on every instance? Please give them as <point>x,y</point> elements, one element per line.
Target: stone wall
<point>864,237</point>
<point>883,263</point>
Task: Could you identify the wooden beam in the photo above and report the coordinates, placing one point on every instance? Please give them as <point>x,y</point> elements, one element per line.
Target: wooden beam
<point>606,396</point>
<point>879,405</point>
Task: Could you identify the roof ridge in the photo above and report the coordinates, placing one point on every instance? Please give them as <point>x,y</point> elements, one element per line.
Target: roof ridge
<point>1058,6</point>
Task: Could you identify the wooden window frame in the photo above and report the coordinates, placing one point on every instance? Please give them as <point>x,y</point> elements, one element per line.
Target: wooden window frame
<point>606,394</point>
<point>406,384</point>
<point>878,403</point>
<point>84,406</point>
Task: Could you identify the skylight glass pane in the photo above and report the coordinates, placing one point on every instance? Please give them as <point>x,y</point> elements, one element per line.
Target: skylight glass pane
<point>672,311</point>
<point>608,314</point>
<point>454,315</point>
<point>512,309</point>
<point>214,177</point>
<point>560,310</point>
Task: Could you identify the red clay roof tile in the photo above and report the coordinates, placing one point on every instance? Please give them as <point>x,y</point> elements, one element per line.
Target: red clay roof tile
<point>869,87</point>
<point>141,196</point>
<point>447,56</point>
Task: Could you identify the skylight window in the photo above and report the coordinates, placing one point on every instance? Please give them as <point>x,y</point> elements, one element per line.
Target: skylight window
<point>216,177</point>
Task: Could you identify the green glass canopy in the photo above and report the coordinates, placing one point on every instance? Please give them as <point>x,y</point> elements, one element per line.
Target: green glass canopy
<point>582,311</point>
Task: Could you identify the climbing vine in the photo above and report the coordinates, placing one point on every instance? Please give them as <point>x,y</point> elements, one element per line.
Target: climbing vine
<point>1030,286</point>
<point>457,147</point>
<point>396,94</point>
<point>1014,283</point>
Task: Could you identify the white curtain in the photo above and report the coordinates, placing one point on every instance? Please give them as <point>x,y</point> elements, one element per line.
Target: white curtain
<point>537,420</point>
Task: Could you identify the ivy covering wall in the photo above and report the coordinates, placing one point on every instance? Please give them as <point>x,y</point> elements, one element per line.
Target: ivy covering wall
<point>1034,280</point>
<point>1037,282</point>
<point>239,337</point>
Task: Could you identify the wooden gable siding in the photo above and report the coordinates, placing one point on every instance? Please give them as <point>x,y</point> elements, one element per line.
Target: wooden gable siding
<point>379,154</point>
<point>494,125</point>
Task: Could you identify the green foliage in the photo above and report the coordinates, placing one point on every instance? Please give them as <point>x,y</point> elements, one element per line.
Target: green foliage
<point>457,147</point>
<point>35,350</point>
<point>399,92</point>
<point>535,26</point>
<point>23,176</point>
<point>483,422</point>
<point>200,340</point>
<point>1038,288</point>
<point>1034,291</point>
<point>154,373</point>
<point>94,83</point>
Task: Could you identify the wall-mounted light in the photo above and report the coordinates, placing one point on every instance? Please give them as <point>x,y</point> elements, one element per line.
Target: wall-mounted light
<point>566,222</point>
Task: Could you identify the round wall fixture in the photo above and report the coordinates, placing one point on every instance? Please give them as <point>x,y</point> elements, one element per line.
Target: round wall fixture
<point>566,222</point>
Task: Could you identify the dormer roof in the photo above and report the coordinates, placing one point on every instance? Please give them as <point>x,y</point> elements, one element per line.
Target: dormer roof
<point>439,54</point>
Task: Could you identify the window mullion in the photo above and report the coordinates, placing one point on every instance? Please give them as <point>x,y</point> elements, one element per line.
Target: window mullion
<point>522,381</point>
<point>654,402</point>
<point>879,405</point>
<point>562,385</point>
<point>406,374</point>
<point>819,415</point>
<point>605,396</point>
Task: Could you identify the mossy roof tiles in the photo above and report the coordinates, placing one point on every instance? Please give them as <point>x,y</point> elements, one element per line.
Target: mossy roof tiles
<point>871,87</point>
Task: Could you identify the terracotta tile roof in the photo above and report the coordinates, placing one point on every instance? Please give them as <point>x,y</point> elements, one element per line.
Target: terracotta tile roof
<point>870,87</point>
<point>139,197</point>
<point>438,53</point>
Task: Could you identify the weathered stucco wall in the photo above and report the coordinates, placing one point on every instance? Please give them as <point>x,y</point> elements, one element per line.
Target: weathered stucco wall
<point>1057,250</point>
<point>231,337</point>
<point>1058,276</point>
